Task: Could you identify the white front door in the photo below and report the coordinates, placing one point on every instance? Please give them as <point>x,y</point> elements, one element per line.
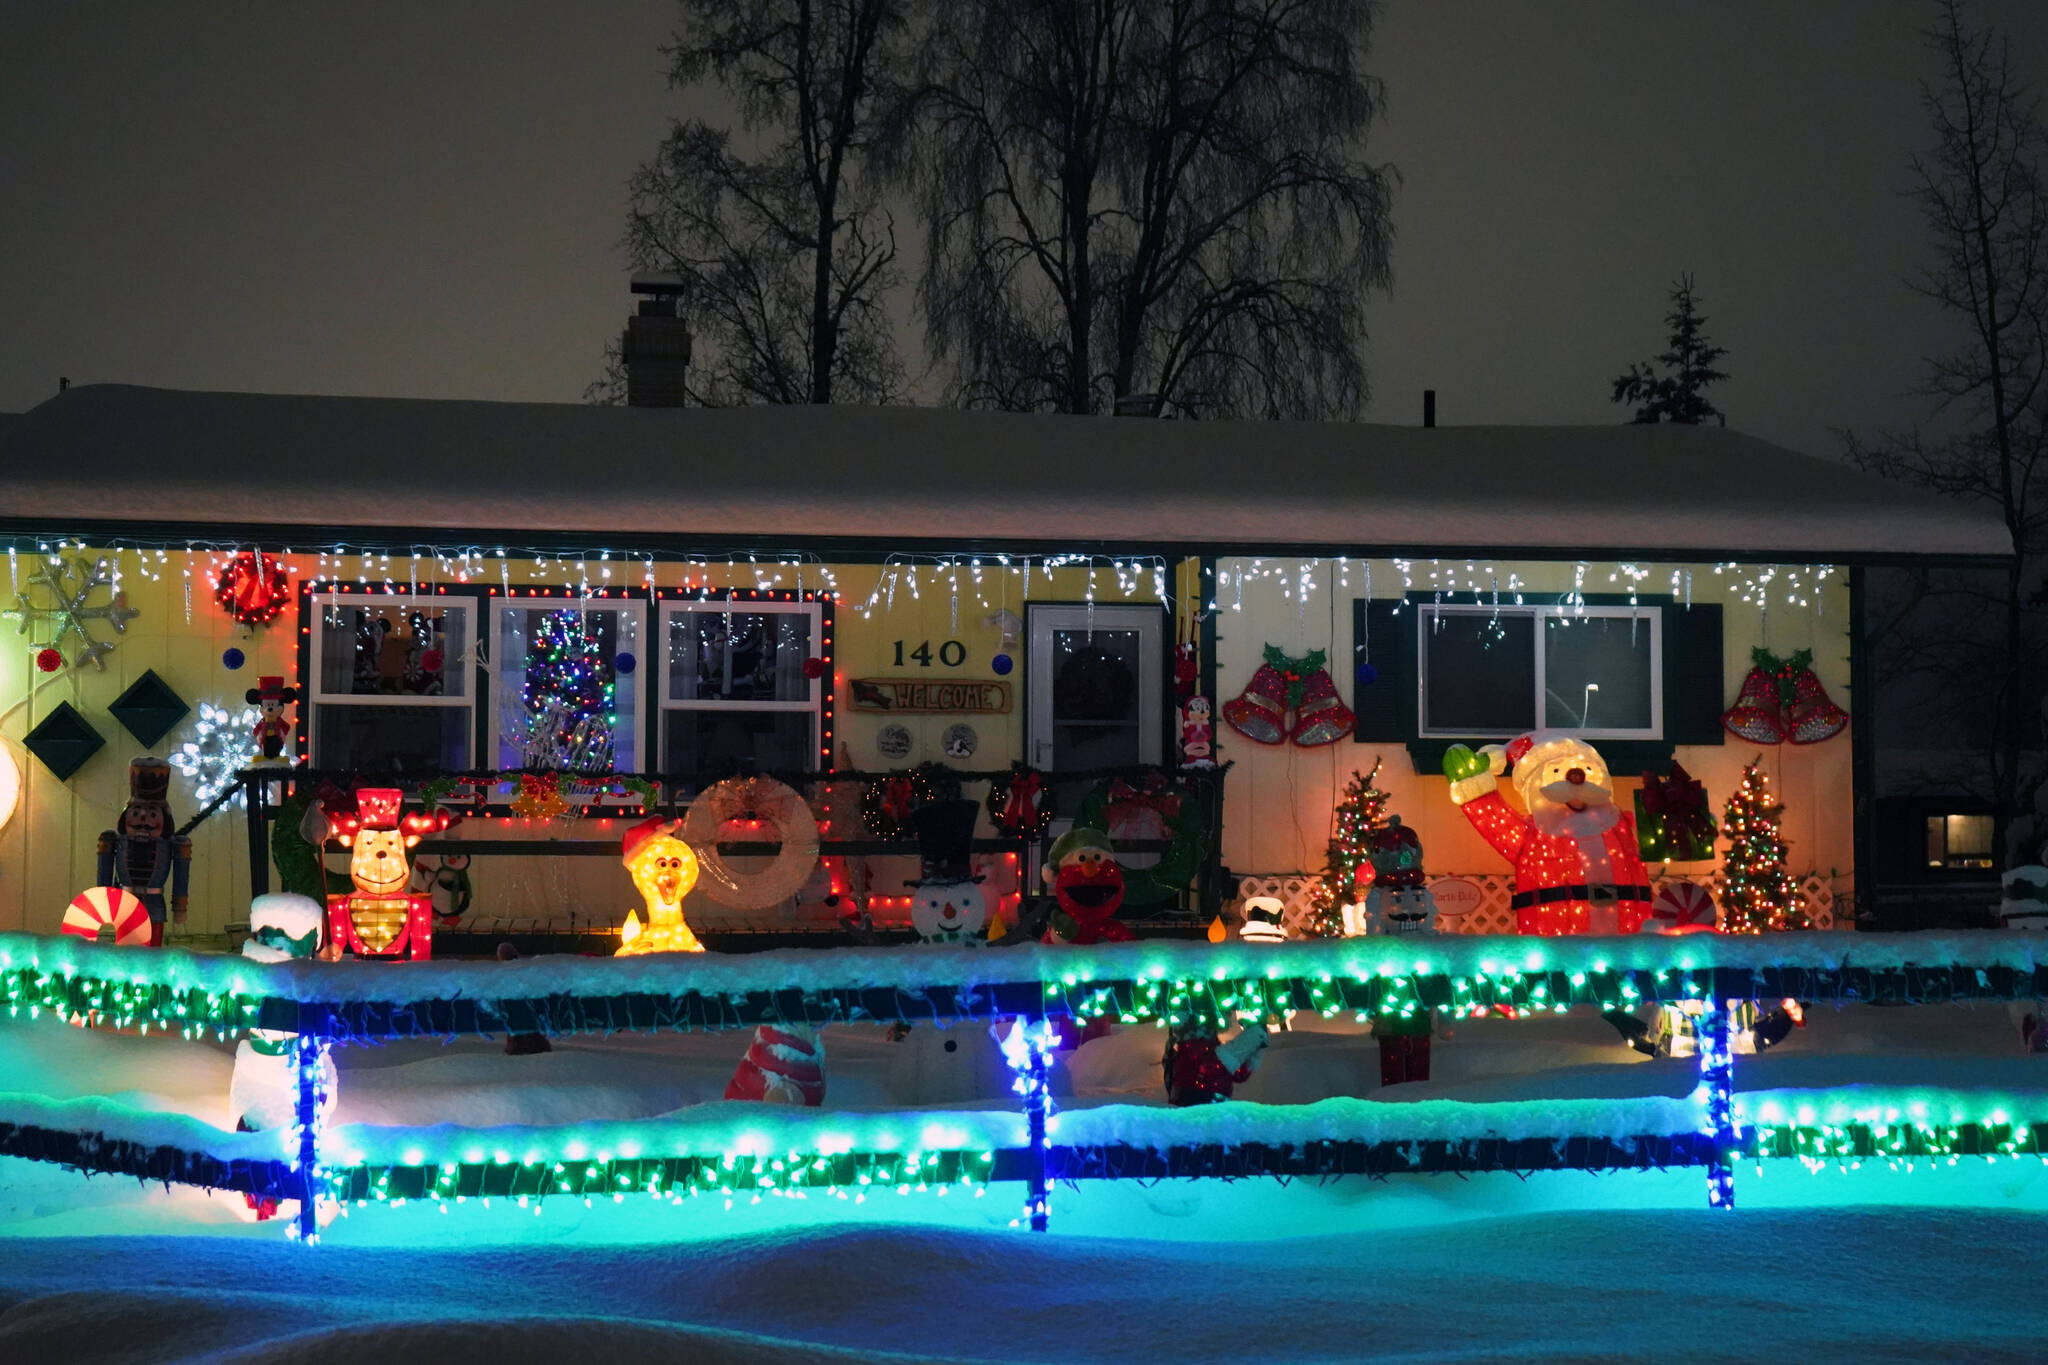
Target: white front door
<point>1097,688</point>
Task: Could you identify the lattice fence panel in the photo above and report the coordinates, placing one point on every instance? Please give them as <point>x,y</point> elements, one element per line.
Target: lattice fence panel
<point>1495,914</point>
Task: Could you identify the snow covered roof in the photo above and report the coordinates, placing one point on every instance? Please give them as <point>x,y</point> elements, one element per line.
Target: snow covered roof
<point>903,477</point>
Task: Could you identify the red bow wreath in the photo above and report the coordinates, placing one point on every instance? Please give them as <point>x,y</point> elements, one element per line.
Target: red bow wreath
<point>1020,805</point>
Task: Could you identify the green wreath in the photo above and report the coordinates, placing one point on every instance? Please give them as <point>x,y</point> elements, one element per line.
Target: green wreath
<point>1162,884</point>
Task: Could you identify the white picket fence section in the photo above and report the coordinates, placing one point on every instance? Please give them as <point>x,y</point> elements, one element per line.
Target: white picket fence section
<point>1296,892</point>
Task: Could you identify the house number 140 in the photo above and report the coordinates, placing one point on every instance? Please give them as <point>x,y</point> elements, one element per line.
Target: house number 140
<point>952,654</point>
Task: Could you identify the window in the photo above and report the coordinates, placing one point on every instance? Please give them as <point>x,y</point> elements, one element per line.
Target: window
<point>1593,670</point>
<point>1959,841</point>
<point>390,689</point>
<point>566,684</point>
<point>734,695</point>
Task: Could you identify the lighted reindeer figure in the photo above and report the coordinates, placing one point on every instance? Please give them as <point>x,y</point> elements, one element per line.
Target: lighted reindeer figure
<point>381,917</point>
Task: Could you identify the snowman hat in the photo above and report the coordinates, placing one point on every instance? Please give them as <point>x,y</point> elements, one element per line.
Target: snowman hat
<point>1532,753</point>
<point>945,841</point>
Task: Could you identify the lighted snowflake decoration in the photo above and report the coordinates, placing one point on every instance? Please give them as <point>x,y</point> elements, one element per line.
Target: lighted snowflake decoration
<point>223,743</point>
<point>71,584</point>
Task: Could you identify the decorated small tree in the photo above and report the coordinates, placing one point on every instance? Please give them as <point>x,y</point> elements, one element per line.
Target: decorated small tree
<point>1757,893</point>
<point>1362,810</point>
<point>569,697</point>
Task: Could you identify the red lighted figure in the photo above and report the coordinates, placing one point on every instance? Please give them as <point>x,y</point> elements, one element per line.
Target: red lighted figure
<point>1199,1070</point>
<point>1577,866</point>
<point>1089,887</point>
<point>381,917</point>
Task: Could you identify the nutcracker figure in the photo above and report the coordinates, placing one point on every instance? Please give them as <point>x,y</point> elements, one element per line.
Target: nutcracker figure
<point>272,696</point>
<point>381,917</point>
<point>143,854</point>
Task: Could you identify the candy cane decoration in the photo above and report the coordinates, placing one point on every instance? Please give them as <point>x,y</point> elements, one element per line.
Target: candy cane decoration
<point>1683,908</point>
<point>108,905</point>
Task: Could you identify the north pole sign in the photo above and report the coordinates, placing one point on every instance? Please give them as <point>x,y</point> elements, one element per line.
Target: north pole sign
<point>927,696</point>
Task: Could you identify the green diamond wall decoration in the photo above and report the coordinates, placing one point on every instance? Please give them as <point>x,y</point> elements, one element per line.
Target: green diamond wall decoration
<point>149,709</point>
<point>63,740</point>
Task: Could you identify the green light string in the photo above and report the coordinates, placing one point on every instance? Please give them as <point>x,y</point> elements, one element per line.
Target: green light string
<point>731,1177</point>
<point>189,1011</point>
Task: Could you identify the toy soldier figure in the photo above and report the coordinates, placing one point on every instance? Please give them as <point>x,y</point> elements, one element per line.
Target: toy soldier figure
<point>143,854</point>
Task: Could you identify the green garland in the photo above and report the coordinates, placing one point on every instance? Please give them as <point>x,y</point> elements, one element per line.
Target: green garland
<point>1148,888</point>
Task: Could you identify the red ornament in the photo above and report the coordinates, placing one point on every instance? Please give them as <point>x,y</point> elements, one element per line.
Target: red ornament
<point>431,661</point>
<point>49,660</point>
<point>253,588</point>
<point>814,668</point>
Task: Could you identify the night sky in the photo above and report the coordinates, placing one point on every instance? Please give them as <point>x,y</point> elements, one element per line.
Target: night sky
<point>426,199</point>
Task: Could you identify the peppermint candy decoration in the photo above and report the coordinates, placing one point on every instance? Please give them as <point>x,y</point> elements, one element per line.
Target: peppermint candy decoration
<point>1682,907</point>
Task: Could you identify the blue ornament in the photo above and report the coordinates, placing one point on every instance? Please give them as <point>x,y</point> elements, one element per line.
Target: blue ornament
<point>232,659</point>
<point>1002,664</point>
<point>1366,673</point>
<point>624,664</point>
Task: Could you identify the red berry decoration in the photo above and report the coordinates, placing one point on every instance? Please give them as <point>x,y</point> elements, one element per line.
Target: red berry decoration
<point>253,588</point>
<point>814,668</point>
<point>49,660</point>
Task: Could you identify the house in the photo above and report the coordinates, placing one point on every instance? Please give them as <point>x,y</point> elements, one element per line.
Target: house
<point>786,590</point>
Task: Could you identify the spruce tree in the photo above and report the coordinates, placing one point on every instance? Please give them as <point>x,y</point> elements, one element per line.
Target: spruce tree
<point>1362,810</point>
<point>1757,893</point>
<point>1679,395</point>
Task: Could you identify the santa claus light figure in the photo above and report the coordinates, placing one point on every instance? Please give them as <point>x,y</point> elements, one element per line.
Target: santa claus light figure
<point>1577,869</point>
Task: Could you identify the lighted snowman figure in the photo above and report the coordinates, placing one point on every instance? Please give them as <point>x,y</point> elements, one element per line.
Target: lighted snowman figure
<point>263,1093</point>
<point>1263,917</point>
<point>946,904</point>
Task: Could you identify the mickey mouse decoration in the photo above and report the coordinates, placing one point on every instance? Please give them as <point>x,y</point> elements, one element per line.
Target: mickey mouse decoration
<point>272,696</point>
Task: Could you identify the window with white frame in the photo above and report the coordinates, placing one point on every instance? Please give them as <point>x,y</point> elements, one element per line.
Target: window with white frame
<point>565,683</point>
<point>389,686</point>
<point>1597,671</point>
<point>733,692</point>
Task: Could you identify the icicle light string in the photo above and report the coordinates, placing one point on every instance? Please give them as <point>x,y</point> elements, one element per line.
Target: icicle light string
<point>1761,585</point>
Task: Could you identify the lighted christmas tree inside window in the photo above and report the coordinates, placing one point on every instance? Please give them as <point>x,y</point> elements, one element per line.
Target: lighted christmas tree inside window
<point>1362,810</point>
<point>1757,893</point>
<point>570,708</point>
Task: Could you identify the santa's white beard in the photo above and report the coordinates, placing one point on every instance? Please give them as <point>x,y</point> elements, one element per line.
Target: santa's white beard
<point>1580,826</point>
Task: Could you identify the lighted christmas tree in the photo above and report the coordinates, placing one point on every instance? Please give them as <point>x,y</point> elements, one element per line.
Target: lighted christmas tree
<point>1757,893</point>
<point>568,697</point>
<point>1362,810</point>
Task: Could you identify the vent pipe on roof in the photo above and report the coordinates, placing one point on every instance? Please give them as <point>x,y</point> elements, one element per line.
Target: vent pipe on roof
<point>1429,407</point>
<point>656,346</point>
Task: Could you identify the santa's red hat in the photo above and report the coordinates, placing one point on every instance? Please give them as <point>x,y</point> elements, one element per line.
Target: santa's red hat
<point>1529,754</point>
<point>639,834</point>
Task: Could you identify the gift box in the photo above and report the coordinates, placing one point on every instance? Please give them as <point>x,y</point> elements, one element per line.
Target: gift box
<point>1674,822</point>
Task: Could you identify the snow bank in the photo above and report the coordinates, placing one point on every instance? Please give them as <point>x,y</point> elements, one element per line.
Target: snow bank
<point>918,967</point>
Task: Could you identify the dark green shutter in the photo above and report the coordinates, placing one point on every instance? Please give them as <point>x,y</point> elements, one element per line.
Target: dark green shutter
<point>1385,706</point>
<point>1692,674</point>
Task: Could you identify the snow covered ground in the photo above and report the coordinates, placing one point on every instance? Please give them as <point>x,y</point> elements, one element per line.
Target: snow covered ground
<point>1567,1266</point>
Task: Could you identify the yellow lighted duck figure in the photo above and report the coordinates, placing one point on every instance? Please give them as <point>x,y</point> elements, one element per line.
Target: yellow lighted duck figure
<point>664,869</point>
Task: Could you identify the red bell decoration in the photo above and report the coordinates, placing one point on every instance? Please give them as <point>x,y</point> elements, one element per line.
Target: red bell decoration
<point>253,588</point>
<point>1290,698</point>
<point>1782,700</point>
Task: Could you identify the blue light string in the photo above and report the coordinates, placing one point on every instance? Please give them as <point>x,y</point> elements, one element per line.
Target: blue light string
<point>1717,1088</point>
<point>1026,1048</point>
<point>309,1055</point>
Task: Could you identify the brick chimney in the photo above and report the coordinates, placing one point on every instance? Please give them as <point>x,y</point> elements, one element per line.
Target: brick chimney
<point>656,346</point>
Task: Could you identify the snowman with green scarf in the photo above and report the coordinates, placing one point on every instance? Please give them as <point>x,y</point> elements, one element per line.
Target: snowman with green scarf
<point>265,1089</point>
